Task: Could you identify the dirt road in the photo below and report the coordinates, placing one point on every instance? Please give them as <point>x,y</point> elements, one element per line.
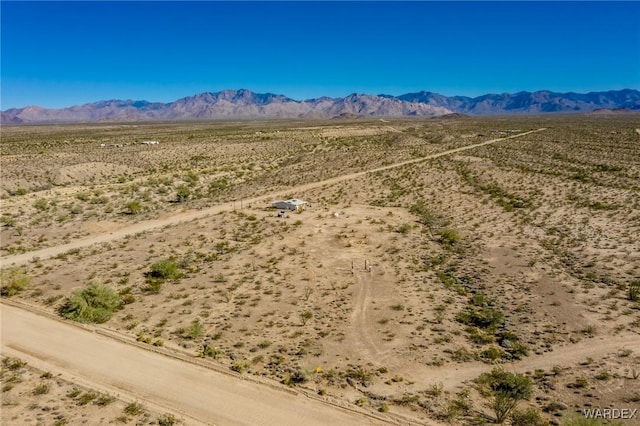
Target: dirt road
<point>49,252</point>
<point>197,394</point>
<point>595,348</point>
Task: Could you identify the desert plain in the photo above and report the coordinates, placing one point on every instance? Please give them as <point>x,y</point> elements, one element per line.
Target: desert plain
<point>432,251</point>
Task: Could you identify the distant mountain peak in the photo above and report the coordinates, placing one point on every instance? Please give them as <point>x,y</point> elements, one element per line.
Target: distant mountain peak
<point>244,103</point>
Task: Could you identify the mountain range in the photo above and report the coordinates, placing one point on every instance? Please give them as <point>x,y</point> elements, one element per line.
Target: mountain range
<point>246,104</point>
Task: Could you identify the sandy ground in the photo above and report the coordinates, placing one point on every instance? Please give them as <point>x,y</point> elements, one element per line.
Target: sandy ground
<point>557,268</point>
<point>209,398</point>
<point>192,215</point>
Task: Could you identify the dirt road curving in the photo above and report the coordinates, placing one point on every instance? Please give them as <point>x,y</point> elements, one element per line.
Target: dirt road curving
<point>197,394</point>
<point>596,348</point>
<point>49,252</point>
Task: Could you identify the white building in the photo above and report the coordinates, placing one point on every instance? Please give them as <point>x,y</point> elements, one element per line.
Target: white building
<point>150,143</point>
<point>292,204</point>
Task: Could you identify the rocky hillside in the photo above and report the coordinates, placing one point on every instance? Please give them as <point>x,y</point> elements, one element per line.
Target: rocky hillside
<point>246,104</point>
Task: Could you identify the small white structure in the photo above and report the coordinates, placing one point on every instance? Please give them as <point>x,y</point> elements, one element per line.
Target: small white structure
<point>292,204</point>
<point>150,143</point>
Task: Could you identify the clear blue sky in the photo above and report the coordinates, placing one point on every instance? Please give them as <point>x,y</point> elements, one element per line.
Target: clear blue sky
<point>57,54</point>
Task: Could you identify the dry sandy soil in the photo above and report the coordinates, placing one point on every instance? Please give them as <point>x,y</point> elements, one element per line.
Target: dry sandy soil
<point>365,300</point>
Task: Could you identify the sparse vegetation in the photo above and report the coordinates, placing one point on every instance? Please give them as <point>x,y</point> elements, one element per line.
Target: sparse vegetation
<point>525,247</point>
<point>94,304</point>
<point>14,281</point>
<point>504,391</point>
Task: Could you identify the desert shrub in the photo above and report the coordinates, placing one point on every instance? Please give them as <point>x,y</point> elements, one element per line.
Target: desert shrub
<point>41,389</point>
<point>579,383</point>
<point>404,228</point>
<point>492,354</point>
<point>86,397</point>
<point>210,351</point>
<point>94,304</point>
<point>196,330</point>
<point>528,417</point>
<point>133,207</point>
<point>14,281</point>
<point>127,297</point>
<point>218,186</point>
<point>295,378</point>
<point>167,420</point>
<point>41,204</point>
<point>134,409</point>
<point>166,269</point>
<point>512,344</point>
<point>239,366</point>
<point>359,375</point>
<point>449,237</point>
<point>634,291</point>
<point>183,193</point>
<point>305,316</point>
<point>103,400</point>
<point>504,391</point>
<point>484,317</point>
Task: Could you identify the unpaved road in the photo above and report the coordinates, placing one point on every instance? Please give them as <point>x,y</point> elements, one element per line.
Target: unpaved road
<point>570,354</point>
<point>199,395</point>
<point>49,252</point>
<point>202,396</point>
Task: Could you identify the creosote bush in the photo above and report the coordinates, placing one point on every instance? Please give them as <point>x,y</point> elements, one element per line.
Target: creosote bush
<point>133,207</point>
<point>161,271</point>
<point>634,291</point>
<point>13,282</point>
<point>94,304</point>
<point>449,237</point>
<point>166,269</point>
<point>504,390</point>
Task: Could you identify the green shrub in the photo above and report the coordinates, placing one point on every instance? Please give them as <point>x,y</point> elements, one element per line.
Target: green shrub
<point>41,389</point>
<point>634,291</point>
<point>167,420</point>
<point>166,269</point>
<point>133,207</point>
<point>134,409</point>
<point>305,316</point>
<point>94,304</point>
<point>14,281</point>
<point>528,417</point>
<point>86,397</point>
<point>239,366</point>
<point>504,391</point>
<point>196,330</point>
<point>210,351</point>
<point>103,400</point>
<point>484,317</point>
<point>41,204</point>
<point>183,193</point>
<point>295,378</point>
<point>492,353</point>
<point>426,216</point>
<point>449,237</point>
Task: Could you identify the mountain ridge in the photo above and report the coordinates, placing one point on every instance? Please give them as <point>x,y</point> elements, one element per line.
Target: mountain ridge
<point>243,103</point>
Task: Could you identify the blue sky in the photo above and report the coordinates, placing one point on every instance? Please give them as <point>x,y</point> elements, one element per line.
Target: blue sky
<point>57,54</point>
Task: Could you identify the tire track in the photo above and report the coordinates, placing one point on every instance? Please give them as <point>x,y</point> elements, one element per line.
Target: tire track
<point>188,216</point>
